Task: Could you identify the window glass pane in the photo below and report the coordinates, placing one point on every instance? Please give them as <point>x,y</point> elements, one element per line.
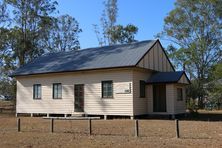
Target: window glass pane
<point>107,89</point>
<point>179,94</point>
<point>57,90</point>
<point>34,91</point>
<point>109,94</point>
<point>54,91</point>
<point>37,91</point>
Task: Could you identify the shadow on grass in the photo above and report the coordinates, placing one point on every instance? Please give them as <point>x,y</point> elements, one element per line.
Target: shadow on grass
<point>202,116</point>
<point>194,116</point>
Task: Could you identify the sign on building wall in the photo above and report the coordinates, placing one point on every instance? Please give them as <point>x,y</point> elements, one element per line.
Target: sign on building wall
<point>123,88</point>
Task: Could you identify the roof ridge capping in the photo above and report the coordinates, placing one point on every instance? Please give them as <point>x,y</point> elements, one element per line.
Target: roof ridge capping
<point>115,45</point>
<point>100,47</point>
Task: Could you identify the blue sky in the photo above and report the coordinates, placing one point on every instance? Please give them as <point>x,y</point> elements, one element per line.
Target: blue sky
<point>147,15</point>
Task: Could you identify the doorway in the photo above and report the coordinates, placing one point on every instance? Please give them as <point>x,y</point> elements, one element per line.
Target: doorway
<point>79,98</point>
<point>159,98</point>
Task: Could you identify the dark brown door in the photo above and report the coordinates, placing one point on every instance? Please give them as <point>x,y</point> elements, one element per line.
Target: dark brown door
<point>159,98</point>
<point>79,97</point>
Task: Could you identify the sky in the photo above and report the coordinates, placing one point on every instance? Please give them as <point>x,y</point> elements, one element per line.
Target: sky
<point>147,15</point>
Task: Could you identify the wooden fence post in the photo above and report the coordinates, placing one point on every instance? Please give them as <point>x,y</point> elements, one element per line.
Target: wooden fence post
<point>90,127</point>
<point>177,128</point>
<point>18,124</point>
<point>136,128</point>
<point>52,125</point>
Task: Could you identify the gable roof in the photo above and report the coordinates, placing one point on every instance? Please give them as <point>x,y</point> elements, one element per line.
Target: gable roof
<point>125,55</point>
<point>166,77</point>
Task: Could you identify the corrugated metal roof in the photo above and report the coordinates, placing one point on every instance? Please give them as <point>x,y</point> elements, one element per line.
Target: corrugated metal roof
<point>166,77</point>
<point>92,58</point>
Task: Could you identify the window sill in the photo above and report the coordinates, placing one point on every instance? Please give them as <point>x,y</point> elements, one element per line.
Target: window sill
<point>37,98</point>
<point>56,98</point>
<point>107,98</point>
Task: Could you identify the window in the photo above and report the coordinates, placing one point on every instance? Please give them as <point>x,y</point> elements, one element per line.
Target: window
<point>37,92</point>
<point>142,89</point>
<point>179,94</point>
<point>57,91</point>
<point>107,89</point>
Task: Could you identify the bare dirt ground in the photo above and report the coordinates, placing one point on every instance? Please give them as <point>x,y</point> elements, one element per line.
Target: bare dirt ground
<point>35,132</point>
<point>203,130</point>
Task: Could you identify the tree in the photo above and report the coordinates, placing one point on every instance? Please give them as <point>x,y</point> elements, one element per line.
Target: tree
<point>26,32</point>
<point>214,86</point>
<point>195,29</point>
<point>63,34</point>
<point>20,33</point>
<point>111,33</point>
<point>108,20</point>
<point>4,16</point>
<point>31,17</point>
<point>120,34</point>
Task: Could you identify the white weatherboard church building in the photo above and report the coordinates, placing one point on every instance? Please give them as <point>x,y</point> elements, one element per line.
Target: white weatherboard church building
<point>120,80</point>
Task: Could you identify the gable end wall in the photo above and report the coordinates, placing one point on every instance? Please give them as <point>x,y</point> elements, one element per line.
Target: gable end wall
<point>155,59</point>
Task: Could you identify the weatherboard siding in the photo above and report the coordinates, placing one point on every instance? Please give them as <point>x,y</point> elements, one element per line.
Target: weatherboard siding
<point>180,106</point>
<point>172,104</point>
<point>149,91</point>
<point>183,80</point>
<point>170,98</point>
<point>139,104</point>
<point>121,104</point>
<point>156,60</point>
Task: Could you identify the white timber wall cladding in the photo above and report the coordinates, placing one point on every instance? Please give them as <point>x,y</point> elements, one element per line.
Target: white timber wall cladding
<point>180,106</point>
<point>156,60</point>
<point>150,98</point>
<point>120,104</point>
<point>183,80</point>
<point>170,97</point>
<point>140,106</point>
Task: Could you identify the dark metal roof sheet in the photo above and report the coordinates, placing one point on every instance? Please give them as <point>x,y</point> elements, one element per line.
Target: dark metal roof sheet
<point>92,58</point>
<point>166,77</point>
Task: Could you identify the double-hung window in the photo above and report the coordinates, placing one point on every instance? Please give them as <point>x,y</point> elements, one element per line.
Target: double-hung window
<point>57,91</point>
<point>179,94</point>
<point>37,91</point>
<point>107,89</point>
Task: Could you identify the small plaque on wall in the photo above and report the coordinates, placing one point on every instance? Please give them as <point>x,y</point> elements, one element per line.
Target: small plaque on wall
<point>124,88</point>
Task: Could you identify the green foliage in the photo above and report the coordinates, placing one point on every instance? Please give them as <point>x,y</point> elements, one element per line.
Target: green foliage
<point>120,34</point>
<point>63,34</point>
<point>111,33</point>
<point>27,32</point>
<point>217,73</point>
<point>193,90</point>
<point>214,87</point>
<point>194,28</point>
<point>192,107</point>
<point>7,89</point>
<point>28,27</point>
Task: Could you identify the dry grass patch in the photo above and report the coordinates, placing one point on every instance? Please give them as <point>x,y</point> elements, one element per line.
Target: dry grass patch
<point>109,133</point>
